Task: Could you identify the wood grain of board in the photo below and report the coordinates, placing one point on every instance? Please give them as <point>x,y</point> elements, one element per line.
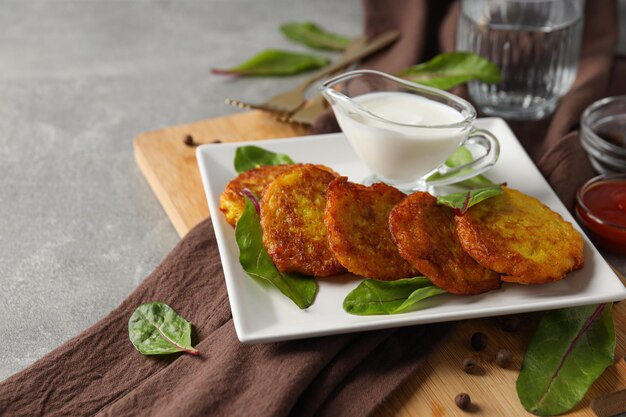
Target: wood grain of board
<point>170,168</point>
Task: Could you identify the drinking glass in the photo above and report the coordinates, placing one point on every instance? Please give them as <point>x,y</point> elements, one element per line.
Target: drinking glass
<point>535,43</point>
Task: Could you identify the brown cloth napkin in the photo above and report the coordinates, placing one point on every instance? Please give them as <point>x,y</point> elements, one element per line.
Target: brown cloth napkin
<point>100,373</point>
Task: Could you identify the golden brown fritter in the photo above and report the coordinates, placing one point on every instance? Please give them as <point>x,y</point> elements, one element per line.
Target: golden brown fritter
<point>232,201</point>
<point>520,237</point>
<point>292,218</point>
<point>426,237</point>
<point>357,220</point>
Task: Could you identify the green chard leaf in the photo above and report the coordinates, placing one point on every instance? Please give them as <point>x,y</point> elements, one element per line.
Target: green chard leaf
<point>460,202</point>
<point>462,156</point>
<point>249,157</point>
<point>313,36</point>
<point>451,69</point>
<point>257,262</point>
<point>274,62</point>
<point>569,350</point>
<point>389,297</point>
<point>156,329</point>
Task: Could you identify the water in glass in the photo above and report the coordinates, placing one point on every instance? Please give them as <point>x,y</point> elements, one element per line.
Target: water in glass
<point>536,44</point>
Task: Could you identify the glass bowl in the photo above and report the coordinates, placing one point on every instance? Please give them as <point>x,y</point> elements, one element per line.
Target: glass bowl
<point>593,199</point>
<point>603,134</point>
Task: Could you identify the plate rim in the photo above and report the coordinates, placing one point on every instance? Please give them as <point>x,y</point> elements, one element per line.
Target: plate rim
<point>391,321</point>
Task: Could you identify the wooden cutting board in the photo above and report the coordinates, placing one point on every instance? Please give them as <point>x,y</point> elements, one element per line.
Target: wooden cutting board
<point>170,167</point>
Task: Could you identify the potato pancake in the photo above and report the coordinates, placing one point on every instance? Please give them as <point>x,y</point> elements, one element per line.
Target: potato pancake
<point>426,237</point>
<point>232,200</point>
<point>292,218</point>
<point>520,237</point>
<point>357,220</point>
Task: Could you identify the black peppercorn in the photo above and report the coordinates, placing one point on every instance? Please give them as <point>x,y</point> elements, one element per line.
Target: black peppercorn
<point>188,140</point>
<point>463,401</point>
<point>504,358</point>
<point>510,324</point>
<point>469,365</point>
<point>479,341</point>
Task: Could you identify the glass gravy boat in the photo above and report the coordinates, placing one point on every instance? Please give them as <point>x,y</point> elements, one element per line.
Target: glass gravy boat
<point>404,132</point>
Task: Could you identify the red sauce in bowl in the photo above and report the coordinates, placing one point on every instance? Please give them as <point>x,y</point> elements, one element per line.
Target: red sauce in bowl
<point>601,206</point>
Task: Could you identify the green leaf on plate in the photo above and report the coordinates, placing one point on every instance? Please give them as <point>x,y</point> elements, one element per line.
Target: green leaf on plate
<point>249,157</point>
<point>313,36</point>
<point>451,69</point>
<point>568,352</point>
<point>156,329</point>
<point>389,297</point>
<point>273,62</point>
<point>460,202</point>
<point>257,262</point>
<point>462,156</point>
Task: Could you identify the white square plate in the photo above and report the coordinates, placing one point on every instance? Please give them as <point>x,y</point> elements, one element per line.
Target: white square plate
<point>262,314</point>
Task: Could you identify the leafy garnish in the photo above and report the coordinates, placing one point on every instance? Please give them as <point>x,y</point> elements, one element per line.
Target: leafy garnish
<point>451,69</point>
<point>460,202</point>
<point>570,349</point>
<point>313,36</point>
<point>389,297</point>
<point>249,157</point>
<point>257,262</point>
<point>156,329</point>
<point>462,156</point>
<point>273,62</point>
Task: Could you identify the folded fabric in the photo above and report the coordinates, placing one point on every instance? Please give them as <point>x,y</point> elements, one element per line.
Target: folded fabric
<point>100,373</point>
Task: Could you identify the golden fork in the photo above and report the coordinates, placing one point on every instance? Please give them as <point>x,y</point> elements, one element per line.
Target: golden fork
<point>292,100</point>
<point>315,106</point>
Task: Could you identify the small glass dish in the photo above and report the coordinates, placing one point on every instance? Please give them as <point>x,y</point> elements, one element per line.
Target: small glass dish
<point>601,208</point>
<point>603,134</point>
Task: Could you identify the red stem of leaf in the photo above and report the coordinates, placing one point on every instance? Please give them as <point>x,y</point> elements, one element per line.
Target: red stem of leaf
<point>218,71</point>
<point>465,205</point>
<point>192,351</point>
<point>582,331</point>
<point>252,198</point>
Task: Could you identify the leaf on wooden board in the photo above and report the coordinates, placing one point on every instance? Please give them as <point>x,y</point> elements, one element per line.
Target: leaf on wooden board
<point>568,352</point>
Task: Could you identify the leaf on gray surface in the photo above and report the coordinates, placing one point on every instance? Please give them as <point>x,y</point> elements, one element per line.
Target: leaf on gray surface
<point>274,62</point>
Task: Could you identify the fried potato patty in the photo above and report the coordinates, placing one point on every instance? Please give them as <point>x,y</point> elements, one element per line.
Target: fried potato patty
<point>357,220</point>
<point>426,237</point>
<point>232,201</point>
<point>292,218</point>
<point>520,237</point>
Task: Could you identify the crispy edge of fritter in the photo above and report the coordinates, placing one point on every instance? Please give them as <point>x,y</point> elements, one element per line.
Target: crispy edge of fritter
<point>232,201</point>
<point>357,221</point>
<point>479,237</point>
<point>425,234</point>
<point>292,218</point>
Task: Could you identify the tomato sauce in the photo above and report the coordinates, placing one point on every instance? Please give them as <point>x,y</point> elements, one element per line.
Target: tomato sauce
<point>603,212</point>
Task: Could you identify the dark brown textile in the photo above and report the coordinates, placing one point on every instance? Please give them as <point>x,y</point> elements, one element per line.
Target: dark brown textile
<point>100,373</point>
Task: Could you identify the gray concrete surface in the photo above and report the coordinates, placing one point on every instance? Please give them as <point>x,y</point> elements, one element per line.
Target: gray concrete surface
<point>79,226</point>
